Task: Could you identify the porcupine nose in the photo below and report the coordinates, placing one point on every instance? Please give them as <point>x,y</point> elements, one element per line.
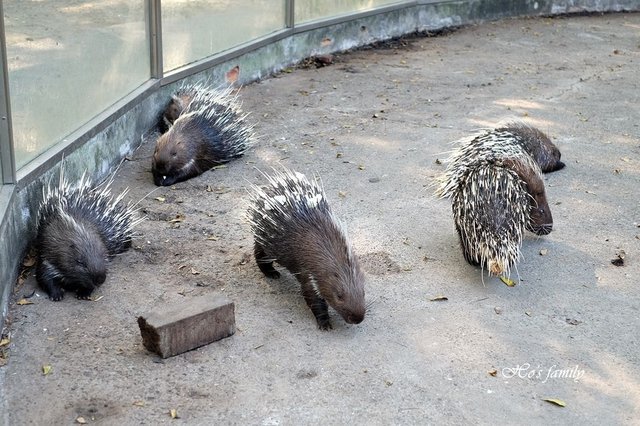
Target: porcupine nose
<point>99,278</point>
<point>544,229</point>
<point>355,318</point>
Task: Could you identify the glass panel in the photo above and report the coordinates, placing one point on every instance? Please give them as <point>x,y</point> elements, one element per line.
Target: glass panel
<point>312,10</point>
<point>68,61</point>
<point>194,30</point>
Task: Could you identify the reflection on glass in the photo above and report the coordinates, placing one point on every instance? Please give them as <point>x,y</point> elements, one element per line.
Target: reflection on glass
<point>68,61</point>
<point>311,10</point>
<point>194,30</point>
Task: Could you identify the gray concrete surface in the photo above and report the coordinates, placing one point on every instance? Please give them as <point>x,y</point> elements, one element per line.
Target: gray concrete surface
<point>390,113</point>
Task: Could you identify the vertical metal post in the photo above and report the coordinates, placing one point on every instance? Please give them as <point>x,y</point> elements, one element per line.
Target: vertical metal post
<point>7,154</point>
<point>154,23</point>
<point>290,17</point>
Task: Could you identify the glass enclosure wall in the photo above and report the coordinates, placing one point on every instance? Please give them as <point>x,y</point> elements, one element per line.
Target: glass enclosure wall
<point>313,10</point>
<point>193,30</point>
<point>68,61</point>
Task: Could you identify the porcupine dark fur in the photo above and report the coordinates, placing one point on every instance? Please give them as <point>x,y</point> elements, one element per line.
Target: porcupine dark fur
<point>79,229</point>
<point>208,128</point>
<point>294,226</point>
<point>179,101</point>
<point>495,183</point>
<point>536,143</point>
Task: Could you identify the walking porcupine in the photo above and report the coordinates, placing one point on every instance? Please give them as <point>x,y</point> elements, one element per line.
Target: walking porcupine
<point>79,228</point>
<point>495,182</point>
<point>293,225</point>
<point>207,128</point>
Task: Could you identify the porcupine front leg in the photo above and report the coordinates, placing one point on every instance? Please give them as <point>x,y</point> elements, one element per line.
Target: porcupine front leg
<point>49,279</point>
<point>264,262</point>
<point>84,293</point>
<point>316,303</point>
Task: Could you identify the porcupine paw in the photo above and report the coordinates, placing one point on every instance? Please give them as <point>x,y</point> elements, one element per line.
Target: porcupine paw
<point>273,274</point>
<point>322,316</point>
<point>317,305</point>
<point>324,324</point>
<point>83,295</point>
<point>268,269</point>
<point>56,294</point>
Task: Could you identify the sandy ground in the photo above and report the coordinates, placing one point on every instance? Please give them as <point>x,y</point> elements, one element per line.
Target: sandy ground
<point>374,126</point>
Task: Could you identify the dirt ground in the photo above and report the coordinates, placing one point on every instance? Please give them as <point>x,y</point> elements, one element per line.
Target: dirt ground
<point>374,126</point>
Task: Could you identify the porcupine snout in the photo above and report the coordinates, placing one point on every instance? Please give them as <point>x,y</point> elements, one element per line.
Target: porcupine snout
<point>89,259</point>
<point>99,275</point>
<point>89,279</point>
<point>161,174</point>
<point>355,318</point>
<point>161,163</point>
<point>541,221</point>
<point>540,218</point>
<point>346,295</point>
<point>164,167</point>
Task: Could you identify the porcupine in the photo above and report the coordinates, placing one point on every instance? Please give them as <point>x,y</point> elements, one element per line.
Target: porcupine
<point>79,229</point>
<point>179,101</point>
<point>293,225</point>
<point>495,182</point>
<point>208,128</point>
<point>536,143</point>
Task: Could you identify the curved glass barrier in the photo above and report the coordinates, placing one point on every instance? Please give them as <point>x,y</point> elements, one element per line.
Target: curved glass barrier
<point>68,61</point>
<point>313,10</point>
<point>194,30</point>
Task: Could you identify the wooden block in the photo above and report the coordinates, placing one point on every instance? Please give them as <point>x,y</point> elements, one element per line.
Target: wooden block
<point>170,331</point>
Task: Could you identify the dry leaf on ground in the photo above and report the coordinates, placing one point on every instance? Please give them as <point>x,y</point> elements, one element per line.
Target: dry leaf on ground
<point>555,401</point>
<point>508,281</point>
<point>439,299</point>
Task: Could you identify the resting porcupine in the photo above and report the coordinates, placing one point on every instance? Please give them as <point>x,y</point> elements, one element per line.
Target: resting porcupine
<point>495,182</point>
<point>178,103</point>
<point>208,129</point>
<point>79,228</point>
<point>293,225</point>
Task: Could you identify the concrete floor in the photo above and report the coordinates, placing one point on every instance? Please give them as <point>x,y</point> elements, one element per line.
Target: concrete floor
<point>489,354</point>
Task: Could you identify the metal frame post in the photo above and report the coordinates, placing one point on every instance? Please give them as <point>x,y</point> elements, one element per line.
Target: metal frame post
<point>290,17</point>
<point>7,153</point>
<point>155,37</point>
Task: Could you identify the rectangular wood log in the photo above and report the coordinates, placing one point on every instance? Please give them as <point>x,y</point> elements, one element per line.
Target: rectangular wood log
<point>170,331</point>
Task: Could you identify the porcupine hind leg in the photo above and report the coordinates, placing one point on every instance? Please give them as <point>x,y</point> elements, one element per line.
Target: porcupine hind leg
<point>467,251</point>
<point>469,256</point>
<point>316,303</point>
<point>49,279</point>
<point>264,262</point>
